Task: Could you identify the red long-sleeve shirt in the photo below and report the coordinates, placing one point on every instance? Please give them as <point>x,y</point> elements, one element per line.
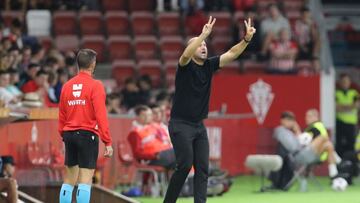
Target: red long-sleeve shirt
<point>82,106</point>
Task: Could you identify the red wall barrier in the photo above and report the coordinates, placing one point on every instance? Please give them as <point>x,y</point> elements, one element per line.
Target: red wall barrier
<point>269,95</point>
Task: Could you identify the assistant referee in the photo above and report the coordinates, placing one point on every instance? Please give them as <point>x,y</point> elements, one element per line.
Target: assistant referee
<point>82,120</point>
<point>190,106</point>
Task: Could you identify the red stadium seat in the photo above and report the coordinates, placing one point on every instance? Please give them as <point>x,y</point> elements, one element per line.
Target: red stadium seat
<point>117,23</point>
<point>170,72</point>
<point>91,23</point>
<point>292,5</point>
<point>220,45</point>
<point>169,23</point>
<point>109,5</point>
<point>65,23</point>
<point>230,69</point>
<point>143,23</point>
<point>145,48</point>
<point>171,47</point>
<point>120,47</point>
<point>153,69</point>
<point>97,43</point>
<point>223,24</point>
<point>122,69</point>
<point>67,43</point>
<point>254,67</point>
<point>46,42</point>
<point>145,5</point>
<point>9,16</point>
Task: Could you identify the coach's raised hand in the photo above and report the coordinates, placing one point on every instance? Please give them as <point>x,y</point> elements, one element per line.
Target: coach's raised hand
<point>250,30</point>
<point>208,27</point>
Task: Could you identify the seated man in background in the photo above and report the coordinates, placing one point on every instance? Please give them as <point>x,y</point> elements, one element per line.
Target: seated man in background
<point>7,183</point>
<point>287,135</point>
<point>159,124</point>
<point>145,142</point>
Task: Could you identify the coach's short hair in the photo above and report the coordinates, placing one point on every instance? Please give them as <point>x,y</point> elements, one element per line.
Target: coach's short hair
<point>140,108</point>
<point>85,58</point>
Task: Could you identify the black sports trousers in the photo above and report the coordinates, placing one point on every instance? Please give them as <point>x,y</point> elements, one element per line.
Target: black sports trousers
<point>81,148</point>
<point>191,147</point>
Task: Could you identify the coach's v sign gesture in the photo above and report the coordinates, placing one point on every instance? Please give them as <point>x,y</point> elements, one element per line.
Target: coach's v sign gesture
<point>236,50</point>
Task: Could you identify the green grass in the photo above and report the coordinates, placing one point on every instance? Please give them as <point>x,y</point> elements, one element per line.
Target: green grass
<point>243,189</point>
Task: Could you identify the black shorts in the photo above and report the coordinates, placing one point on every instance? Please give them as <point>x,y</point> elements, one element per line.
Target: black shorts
<point>81,148</point>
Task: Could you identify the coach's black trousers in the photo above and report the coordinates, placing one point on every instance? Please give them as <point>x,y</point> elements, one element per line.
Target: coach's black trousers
<point>191,147</point>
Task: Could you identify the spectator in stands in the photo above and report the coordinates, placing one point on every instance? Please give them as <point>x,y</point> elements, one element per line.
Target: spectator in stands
<point>159,124</point>
<point>145,89</point>
<point>282,55</point>
<point>5,95</point>
<point>14,79</point>
<point>37,54</point>
<point>239,33</point>
<point>271,26</point>
<point>29,75</point>
<point>4,61</point>
<point>14,57</point>
<point>7,182</point>
<point>145,143</point>
<point>70,65</point>
<point>63,77</point>
<point>130,93</point>
<point>308,39</point>
<point>347,108</point>
<point>215,5</point>
<point>14,33</point>
<point>26,57</point>
<point>188,6</point>
<point>113,104</point>
<point>168,5</point>
<point>41,80</point>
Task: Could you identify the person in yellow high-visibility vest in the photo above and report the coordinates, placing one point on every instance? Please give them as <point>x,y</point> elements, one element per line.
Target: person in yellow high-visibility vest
<point>347,106</point>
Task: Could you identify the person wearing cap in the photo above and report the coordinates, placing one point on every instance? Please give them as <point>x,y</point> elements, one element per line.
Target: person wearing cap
<point>7,182</point>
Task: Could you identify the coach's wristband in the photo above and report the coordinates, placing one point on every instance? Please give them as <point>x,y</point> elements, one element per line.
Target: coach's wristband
<point>247,41</point>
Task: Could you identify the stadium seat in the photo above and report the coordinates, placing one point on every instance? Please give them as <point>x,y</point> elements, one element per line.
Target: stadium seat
<point>169,24</point>
<point>171,47</point>
<point>143,23</point>
<point>122,69</point>
<point>46,42</point>
<point>145,47</point>
<point>38,22</point>
<point>230,69</point>
<point>239,17</point>
<point>170,72</point>
<point>67,43</point>
<point>153,69</point>
<point>220,45</point>
<point>97,43</point>
<point>223,24</point>
<point>65,23</point>
<point>109,5</point>
<point>91,23</point>
<point>120,47</point>
<point>254,67</point>
<point>8,16</point>
<point>145,5</point>
<point>117,23</point>
<point>291,5</point>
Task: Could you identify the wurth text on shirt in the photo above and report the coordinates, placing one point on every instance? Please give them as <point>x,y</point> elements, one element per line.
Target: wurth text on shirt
<point>77,93</point>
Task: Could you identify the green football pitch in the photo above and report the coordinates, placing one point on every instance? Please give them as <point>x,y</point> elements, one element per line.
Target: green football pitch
<point>244,187</point>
